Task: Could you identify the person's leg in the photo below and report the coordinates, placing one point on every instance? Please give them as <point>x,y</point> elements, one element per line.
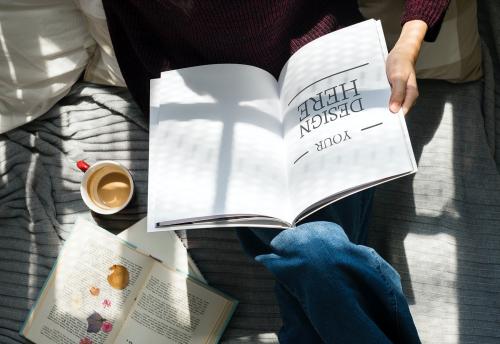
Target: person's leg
<point>347,291</point>
<point>351,213</point>
<point>328,287</point>
<point>296,326</point>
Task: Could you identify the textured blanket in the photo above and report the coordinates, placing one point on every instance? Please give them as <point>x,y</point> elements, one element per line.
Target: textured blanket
<point>439,228</point>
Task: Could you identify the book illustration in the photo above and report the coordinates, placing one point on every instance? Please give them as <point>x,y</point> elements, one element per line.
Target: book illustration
<point>106,303</point>
<point>76,301</point>
<point>106,327</point>
<point>118,277</point>
<point>95,322</point>
<point>86,340</point>
<point>94,291</point>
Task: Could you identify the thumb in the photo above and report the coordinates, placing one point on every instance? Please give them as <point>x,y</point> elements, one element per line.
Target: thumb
<point>398,93</point>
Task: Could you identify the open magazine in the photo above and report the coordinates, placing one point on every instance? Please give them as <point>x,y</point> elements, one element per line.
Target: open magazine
<point>232,146</point>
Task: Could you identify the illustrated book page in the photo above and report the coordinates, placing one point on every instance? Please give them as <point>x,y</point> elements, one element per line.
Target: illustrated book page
<point>96,282</point>
<point>79,304</point>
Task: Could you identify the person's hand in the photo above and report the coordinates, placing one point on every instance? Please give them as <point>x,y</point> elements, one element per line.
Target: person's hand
<point>400,66</point>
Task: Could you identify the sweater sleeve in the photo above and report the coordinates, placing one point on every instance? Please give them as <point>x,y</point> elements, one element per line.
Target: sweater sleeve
<point>430,11</point>
<point>135,48</point>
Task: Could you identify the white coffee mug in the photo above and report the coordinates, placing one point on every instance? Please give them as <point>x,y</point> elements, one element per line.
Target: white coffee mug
<point>99,173</point>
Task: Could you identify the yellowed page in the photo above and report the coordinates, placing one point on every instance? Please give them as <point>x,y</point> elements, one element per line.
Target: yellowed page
<point>172,308</point>
<point>78,287</point>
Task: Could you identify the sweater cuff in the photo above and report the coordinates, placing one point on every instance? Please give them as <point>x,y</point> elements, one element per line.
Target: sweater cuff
<point>430,11</point>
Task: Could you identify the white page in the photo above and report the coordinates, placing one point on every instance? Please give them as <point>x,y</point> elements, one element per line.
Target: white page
<point>66,302</point>
<point>216,145</point>
<point>359,141</point>
<point>164,246</point>
<point>174,309</point>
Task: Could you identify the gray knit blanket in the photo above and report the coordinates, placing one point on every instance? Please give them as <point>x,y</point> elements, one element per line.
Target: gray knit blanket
<point>440,228</point>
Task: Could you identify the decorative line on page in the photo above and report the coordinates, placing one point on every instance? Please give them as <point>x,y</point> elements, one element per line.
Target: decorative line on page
<point>300,157</point>
<point>326,77</point>
<point>372,126</point>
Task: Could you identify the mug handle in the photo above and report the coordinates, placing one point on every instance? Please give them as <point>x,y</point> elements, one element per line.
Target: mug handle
<point>82,165</point>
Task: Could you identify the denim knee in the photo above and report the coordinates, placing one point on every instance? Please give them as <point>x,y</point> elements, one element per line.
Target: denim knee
<point>321,233</point>
<point>322,251</point>
<point>313,247</point>
<point>321,238</point>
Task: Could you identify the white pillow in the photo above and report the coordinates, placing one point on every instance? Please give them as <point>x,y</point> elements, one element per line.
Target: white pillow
<point>44,48</point>
<point>103,67</point>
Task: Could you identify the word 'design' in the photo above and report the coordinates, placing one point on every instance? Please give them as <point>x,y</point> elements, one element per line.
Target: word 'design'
<point>329,105</point>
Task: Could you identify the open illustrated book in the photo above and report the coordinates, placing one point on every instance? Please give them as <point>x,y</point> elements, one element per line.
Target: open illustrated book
<point>104,290</point>
<point>232,146</point>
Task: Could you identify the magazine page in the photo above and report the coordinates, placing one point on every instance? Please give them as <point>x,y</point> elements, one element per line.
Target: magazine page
<point>90,291</point>
<point>339,133</point>
<point>172,308</point>
<point>216,146</point>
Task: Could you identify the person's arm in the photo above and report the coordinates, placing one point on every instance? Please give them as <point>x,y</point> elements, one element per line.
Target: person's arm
<point>422,20</point>
<point>400,66</point>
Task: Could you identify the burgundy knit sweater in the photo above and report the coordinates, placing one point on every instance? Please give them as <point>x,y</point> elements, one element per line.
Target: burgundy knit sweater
<point>151,36</point>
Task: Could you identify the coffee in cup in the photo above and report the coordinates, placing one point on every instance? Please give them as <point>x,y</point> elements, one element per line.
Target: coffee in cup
<point>107,187</point>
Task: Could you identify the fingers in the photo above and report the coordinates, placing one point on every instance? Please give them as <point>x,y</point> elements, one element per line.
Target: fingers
<point>404,93</point>
<point>411,93</point>
<point>400,68</point>
<point>398,92</point>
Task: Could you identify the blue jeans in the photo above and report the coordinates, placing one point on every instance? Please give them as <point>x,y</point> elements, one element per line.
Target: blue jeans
<point>330,288</point>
